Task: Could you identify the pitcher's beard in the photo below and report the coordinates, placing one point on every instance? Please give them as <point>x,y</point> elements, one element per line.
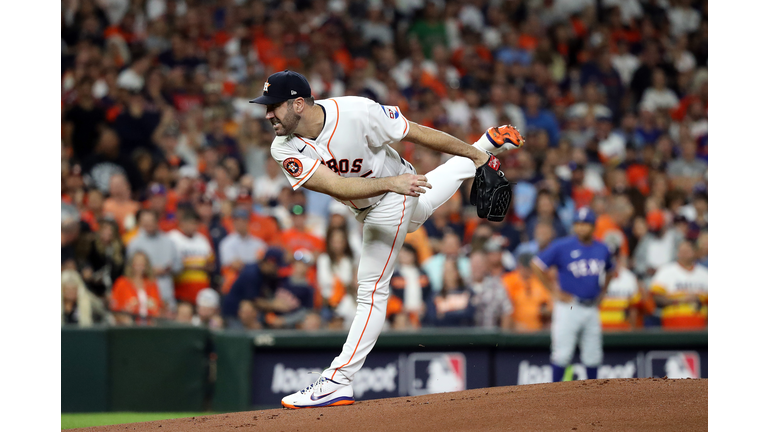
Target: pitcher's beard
<point>287,126</point>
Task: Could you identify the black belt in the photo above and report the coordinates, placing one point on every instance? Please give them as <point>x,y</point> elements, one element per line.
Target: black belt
<point>586,302</point>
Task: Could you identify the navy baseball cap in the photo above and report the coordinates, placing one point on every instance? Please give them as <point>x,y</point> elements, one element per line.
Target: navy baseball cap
<point>274,254</point>
<point>585,214</point>
<point>281,86</point>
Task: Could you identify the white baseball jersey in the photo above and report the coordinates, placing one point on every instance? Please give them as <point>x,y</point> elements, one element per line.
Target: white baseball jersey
<point>354,142</point>
<point>675,279</point>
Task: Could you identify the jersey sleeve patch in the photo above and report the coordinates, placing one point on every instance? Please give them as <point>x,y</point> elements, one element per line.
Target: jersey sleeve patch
<point>293,166</point>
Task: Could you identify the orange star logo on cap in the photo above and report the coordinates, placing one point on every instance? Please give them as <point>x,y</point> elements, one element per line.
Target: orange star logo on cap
<point>266,86</point>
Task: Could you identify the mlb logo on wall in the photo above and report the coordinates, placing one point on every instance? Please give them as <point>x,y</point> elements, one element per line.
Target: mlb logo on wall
<point>673,364</point>
<point>428,373</point>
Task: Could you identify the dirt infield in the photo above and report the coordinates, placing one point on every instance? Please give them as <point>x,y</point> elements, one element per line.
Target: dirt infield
<point>649,404</point>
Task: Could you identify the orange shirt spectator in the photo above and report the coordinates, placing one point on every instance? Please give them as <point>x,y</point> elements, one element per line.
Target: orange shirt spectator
<point>136,293</point>
<point>263,227</point>
<point>420,241</point>
<point>299,236</point>
<point>582,196</point>
<point>119,204</point>
<point>294,239</point>
<point>609,224</point>
<point>531,301</point>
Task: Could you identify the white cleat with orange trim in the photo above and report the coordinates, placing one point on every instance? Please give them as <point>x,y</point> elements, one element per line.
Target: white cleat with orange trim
<point>322,393</point>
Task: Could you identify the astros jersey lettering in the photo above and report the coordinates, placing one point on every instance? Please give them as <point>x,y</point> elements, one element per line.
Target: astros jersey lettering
<point>354,142</point>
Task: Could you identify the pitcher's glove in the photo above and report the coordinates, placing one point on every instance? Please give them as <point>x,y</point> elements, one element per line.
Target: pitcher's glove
<point>491,192</point>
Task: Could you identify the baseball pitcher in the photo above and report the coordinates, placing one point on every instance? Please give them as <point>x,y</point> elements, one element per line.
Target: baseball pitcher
<point>341,147</point>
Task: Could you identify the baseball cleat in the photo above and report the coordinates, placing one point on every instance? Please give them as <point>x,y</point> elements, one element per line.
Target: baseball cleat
<point>322,393</point>
<point>504,137</point>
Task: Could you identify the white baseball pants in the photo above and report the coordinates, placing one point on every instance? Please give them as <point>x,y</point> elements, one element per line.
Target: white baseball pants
<point>572,323</point>
<point>384,231</point>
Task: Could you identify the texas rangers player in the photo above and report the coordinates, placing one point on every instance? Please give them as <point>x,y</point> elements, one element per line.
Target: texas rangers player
<point>584,271</point>
<point>340,147</point>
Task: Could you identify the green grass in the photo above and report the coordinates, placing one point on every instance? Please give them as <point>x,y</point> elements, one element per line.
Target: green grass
<point>69,421</point>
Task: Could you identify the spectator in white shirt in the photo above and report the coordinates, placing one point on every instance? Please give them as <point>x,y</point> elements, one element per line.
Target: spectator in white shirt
<point>658,96</point>
<point>240,248</point>
<point>683,18</point>
<point>591,105</point>
<point>625,62</point>
<point>267,188</point>
<point>498,107</point>
<point>657,247</point>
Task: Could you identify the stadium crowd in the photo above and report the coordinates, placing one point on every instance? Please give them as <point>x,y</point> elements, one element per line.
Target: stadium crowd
<point>173,210</point>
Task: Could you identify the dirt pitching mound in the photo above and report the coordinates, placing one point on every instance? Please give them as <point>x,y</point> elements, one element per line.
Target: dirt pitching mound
<point>650,404</point>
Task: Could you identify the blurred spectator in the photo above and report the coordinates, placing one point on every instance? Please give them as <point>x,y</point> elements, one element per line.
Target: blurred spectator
<point>94,209</point>
<point>430,29</point>
<point>624,62</point>
<point>82,122</point>
<point>238,249</point>
<point>536,117</point>
<point>267,187</point>
<point>544,213</point>
<point>500,260</point>
<point>184,313</point>
<point>686,171</point>
<point>298,236</point>
<point>259,226</point>
<point>78,305</point>
<point>680,291</point>
<point>453,306</point>
<point>119,205</point>
<point>543,235</point>
<point>657,247</point>
<point>531,301</point>
<point>162,253</point>
<point>135,296</point>
<point>207,316</point>
<point>434,267</point>
<point>196,258</point>
<point>247,317</point>
<point>255,280</point>
<point>335,268</point>
<point>613,222</point>
<point>440,223</point>
<point>620,307</point>
<point>159,203</point>
<point>702,246</point>
<point>591,105</point>
<point>294,298</point>
<point>410,300</point>
<point>683,18</point>
<point>492,305</point>
<point>102,257</point>
<point>658,96</point>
